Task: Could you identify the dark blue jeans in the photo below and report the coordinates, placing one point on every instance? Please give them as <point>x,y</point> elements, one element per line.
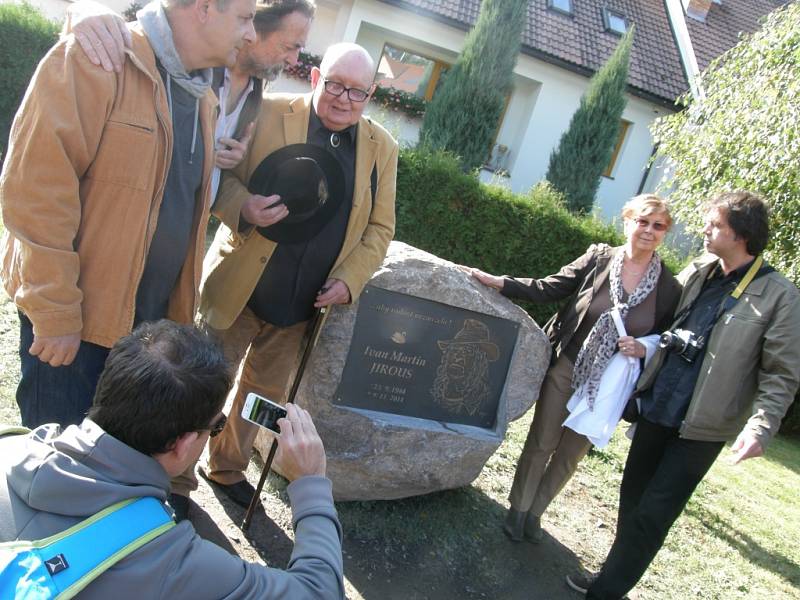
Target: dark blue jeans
<point>661,474</point>
<point>61,395</point>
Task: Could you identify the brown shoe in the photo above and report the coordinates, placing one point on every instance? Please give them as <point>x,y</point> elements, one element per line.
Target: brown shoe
<point>533,531</point>
<point>514,527</point>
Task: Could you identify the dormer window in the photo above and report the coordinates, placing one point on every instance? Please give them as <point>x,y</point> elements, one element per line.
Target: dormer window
<point>562,6</point>
<point>614,21</point>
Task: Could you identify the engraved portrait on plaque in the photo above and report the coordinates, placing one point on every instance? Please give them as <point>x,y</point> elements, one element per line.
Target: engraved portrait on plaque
<point>462,378</point>
<point>416,357</point>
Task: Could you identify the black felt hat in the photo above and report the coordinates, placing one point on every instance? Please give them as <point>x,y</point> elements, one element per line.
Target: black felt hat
<point>309,181</point>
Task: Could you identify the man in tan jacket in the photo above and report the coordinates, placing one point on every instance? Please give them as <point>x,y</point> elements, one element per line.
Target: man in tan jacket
<point>260,294</point>
<point>105,196</point>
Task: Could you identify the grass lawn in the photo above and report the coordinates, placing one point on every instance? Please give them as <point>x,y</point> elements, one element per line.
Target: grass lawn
<point>737,538</point>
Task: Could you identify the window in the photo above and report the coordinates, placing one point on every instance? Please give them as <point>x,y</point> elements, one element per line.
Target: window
<point>623,131</point>
<point>404,70</point>
<point>562,6</point>
<point>614,22</point>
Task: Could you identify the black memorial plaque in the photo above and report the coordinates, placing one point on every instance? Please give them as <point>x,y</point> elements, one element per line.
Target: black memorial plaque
<point>415,357</point>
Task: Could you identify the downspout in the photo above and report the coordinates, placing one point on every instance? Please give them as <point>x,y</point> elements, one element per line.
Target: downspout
<point>680,32</point>
<point>647,170</point>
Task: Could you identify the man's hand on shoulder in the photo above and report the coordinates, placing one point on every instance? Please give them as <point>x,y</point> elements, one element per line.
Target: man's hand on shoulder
<point>101,33</point>
<point>746,446</point>
<point>300,450</point>
<point>335,291</point>
<point>57,350</point>
<point>261,211</point>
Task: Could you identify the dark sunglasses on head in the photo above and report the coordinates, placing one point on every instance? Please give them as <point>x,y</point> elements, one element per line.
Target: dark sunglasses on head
<point>217,427</point>
<point>644,223</point>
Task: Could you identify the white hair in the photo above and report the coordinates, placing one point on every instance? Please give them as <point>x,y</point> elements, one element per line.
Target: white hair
<point>339,51</point>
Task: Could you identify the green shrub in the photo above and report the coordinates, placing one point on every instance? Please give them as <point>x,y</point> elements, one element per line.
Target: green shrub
<point>734,139</point>
<point>442,210</point>
<point>25,36</point>
<point>584,150</point>
<point>464,113</point>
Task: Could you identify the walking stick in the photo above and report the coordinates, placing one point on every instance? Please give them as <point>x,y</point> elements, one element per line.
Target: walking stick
<point>315,326</point>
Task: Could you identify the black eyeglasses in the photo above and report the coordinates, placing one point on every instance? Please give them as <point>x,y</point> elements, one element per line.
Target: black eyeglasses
<point>217,427</point>
<point>334,88</point>
<point>645,223</point>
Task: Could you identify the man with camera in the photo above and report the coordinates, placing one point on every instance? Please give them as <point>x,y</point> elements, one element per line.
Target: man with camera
<point>727,369</point>
<point>157,403</point>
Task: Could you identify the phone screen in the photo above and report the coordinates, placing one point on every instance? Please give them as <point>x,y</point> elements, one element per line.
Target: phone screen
<point>263,412</point>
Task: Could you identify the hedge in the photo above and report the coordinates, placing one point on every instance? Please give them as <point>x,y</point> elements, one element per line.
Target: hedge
<point>451,214</point>
<point>25,36</point>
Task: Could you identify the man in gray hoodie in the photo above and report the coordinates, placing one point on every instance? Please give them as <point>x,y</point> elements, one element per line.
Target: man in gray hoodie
<point>158,401</point>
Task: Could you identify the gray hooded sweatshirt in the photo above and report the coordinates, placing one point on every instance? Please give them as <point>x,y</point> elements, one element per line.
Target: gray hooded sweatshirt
<point>53,479</point>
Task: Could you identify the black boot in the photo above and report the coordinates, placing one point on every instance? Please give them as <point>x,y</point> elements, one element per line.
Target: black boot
<point>514,527</point>
<point>533,531</point>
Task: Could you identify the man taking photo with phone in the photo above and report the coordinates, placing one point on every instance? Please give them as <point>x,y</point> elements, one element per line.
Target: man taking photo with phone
<point>158,401</point>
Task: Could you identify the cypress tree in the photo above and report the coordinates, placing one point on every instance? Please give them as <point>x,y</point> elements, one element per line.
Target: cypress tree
<point>463,115</point>
<point>586,147</point>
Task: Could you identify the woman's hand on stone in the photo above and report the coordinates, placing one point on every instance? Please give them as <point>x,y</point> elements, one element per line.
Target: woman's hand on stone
<point>492,281</point>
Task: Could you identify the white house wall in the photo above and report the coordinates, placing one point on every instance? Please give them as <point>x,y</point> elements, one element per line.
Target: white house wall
<point>544,99</point>
<point>330,24</point>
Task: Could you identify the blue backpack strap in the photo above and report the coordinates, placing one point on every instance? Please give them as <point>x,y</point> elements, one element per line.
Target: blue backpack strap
<point>63,564</point>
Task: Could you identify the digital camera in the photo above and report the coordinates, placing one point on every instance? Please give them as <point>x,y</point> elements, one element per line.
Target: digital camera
<point>682,342</point>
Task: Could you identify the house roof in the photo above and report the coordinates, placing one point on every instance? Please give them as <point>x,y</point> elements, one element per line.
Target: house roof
<point>724,24</point>
<point>580,42</point>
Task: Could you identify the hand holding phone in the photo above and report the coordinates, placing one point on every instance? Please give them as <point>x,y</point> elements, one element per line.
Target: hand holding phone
<point>300,450</point>
<point>263,412</point>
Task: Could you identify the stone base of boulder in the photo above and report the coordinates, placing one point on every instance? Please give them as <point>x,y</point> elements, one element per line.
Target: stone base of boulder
<point>375,455</point>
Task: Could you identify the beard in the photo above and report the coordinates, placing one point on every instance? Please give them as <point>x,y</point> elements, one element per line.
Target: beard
<point>267,73</point>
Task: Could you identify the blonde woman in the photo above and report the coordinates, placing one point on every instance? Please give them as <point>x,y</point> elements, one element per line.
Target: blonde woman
<point>631,278</point>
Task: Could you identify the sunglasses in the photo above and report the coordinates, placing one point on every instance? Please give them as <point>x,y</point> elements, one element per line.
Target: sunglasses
<point>644,224</point>
<point>217,427</point>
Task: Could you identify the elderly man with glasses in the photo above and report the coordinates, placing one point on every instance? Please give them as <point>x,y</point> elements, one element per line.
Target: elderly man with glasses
<point>258,293</point>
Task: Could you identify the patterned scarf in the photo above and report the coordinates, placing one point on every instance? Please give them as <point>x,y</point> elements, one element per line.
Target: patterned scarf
<point>601,343</point>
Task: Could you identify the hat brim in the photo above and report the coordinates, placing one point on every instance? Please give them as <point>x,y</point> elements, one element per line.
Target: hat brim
<point>282,232</point>
<point>490,348</point>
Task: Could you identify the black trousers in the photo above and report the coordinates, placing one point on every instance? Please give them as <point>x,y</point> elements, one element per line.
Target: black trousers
<point>661,474</point>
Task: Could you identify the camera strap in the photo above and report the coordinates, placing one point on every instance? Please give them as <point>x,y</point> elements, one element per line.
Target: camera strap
<point>729,301</point>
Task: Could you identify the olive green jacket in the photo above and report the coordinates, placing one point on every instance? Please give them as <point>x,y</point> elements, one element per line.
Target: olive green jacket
<point>751,367</point>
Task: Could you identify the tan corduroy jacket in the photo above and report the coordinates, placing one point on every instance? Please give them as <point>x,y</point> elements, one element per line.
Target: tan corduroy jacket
<point>81,190</point>
<point>236,260</point>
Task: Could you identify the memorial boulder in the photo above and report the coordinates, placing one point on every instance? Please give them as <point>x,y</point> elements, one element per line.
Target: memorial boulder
<point>412,387</point>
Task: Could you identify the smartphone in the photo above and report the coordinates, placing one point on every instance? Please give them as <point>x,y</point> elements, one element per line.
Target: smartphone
<point>261,411</point>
